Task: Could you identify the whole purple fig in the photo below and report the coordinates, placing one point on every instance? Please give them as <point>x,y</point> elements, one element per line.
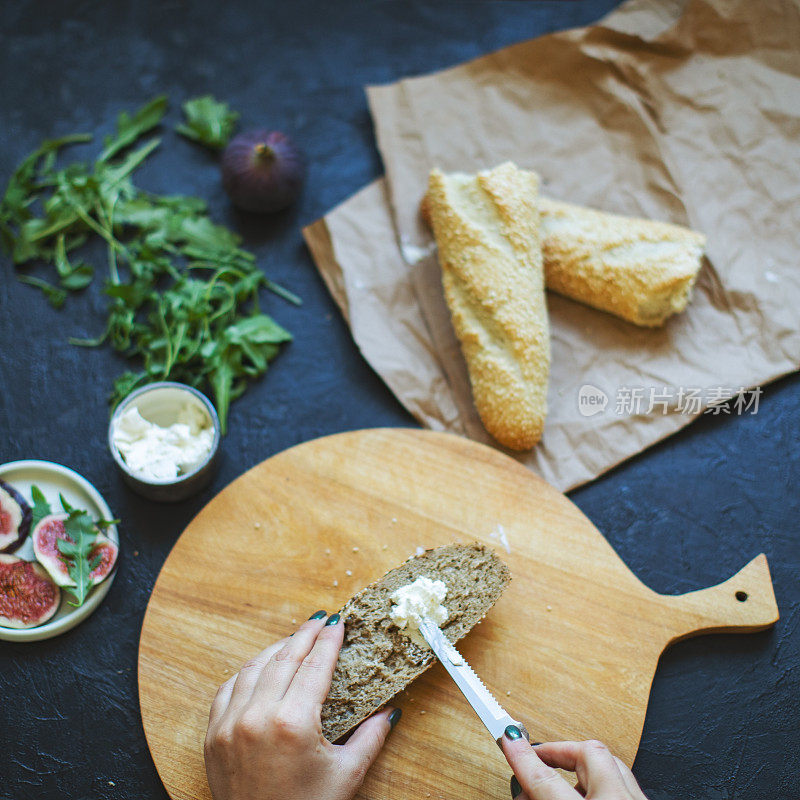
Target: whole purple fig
<point>262,171</point>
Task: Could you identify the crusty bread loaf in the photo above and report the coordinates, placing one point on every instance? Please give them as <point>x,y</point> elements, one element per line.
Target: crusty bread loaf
<point>487,231</point>
<point>377,660</point>
<point>638,269</point>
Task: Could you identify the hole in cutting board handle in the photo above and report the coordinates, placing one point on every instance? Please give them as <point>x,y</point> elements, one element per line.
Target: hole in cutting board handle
<point>741,596</point>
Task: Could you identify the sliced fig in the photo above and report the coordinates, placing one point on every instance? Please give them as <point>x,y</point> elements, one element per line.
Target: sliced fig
<point>45,536</point>
<point>15,518</point>
<point>28,595</point>
<point>107,551</point>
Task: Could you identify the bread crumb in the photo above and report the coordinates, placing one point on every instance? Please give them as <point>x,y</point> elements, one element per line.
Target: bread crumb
<point>327,551</point>
<point>336,583</point>
<point>422,712</point>
<point>508,694</point>
<point>355,549</point>
<point>385,547</point>
<point>348,572</point>
<point>256,524</point>
<point>549,608</point>
<point>294,621</point>
<point>394,519</point>
<point>420,550</point>
<point>500,533</point>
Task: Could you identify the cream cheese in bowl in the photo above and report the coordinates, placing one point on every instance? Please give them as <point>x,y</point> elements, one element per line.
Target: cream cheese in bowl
<point>164,438</point>
<point>156,453</point>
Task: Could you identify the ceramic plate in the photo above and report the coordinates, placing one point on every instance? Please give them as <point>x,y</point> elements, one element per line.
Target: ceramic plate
<point>53,479</point>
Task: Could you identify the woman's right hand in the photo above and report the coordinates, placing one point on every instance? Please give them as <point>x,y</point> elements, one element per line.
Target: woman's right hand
<point>601,775</point>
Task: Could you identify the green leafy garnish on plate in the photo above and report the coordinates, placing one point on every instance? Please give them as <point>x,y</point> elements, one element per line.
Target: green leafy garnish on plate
<point>183,295</point>
<point>40,507</point>
<point>208,121</point>
<point>77,554</point>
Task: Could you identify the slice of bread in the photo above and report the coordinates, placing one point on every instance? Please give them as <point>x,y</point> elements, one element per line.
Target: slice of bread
<point>377,660</point>
<point>487,231</point>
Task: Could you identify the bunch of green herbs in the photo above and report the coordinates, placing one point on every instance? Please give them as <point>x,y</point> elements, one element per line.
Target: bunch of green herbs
<point>183,294</point>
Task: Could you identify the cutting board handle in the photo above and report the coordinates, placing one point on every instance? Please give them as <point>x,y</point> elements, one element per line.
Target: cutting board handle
<point>743,603</point>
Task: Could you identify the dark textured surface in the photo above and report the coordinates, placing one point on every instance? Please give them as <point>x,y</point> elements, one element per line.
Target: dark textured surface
<point>723,717</point>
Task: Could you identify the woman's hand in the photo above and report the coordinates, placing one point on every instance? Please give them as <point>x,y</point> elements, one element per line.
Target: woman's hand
<point>264,739</point>
<point>601,776</point>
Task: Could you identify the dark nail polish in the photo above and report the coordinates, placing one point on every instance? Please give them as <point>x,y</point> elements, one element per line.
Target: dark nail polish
<point>394,717</point>
<point>535,744</point>
<point>332,619</point>
<point>319,615</point>
<point>516,789</point>
<point>513,732</point>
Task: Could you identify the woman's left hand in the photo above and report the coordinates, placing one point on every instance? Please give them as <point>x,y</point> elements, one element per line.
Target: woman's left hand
<point>264,739</point>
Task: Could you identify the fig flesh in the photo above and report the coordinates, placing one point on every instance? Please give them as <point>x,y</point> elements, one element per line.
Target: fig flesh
<point>263,171</point>
<point>28,595</point>
<point>45,546</point>
<point>15,518</point>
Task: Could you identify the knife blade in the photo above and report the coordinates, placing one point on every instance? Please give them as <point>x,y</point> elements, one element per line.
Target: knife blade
<point>491,713</point>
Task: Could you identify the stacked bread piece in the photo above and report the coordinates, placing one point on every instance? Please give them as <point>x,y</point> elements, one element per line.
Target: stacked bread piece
<point>500,244</point>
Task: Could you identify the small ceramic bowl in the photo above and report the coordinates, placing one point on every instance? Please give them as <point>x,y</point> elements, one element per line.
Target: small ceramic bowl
<point>160,403</point>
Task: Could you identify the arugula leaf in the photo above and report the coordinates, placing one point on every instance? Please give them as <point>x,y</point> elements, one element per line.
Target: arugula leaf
<point>75,277</point>
<point>20,192</point>
<point>130,128</point>
<point>208,121</point>
<point>56,297</point>
<point>41,508</point>
<point>183,295</point>
<point>76,554</point>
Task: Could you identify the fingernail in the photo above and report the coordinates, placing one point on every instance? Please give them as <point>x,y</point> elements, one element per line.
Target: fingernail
<point>319,615</point>
<point>332,619</point>
<point>516,789</point>
<point>535,744</point>
<point>394,717</point>
<point>513,732</point>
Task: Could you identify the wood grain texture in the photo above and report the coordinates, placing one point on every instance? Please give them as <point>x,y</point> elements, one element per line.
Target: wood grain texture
<point>571,648</point>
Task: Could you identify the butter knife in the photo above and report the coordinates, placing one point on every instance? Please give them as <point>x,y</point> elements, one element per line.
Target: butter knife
<point>491,713</point>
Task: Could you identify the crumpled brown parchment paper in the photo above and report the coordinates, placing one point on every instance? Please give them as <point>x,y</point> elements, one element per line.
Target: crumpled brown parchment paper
<point>688,113</point>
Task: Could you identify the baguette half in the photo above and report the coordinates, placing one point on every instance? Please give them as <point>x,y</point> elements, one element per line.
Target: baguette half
<point>487,230</point>
<point>637,269</point>
<point>377,660</point>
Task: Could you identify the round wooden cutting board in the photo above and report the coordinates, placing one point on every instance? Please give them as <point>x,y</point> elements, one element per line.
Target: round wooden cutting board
<point>570,648</point>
